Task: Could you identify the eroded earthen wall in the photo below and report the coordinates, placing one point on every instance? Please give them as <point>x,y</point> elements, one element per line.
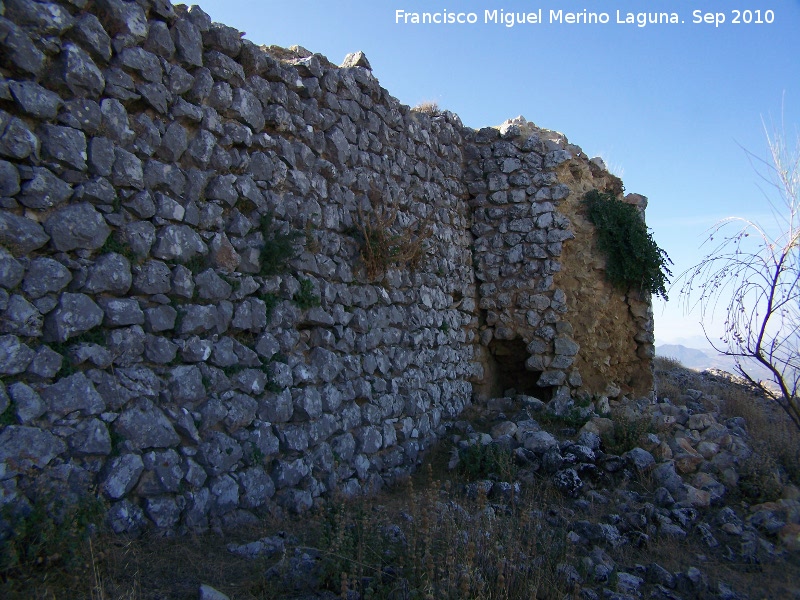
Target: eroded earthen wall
<point>614,328</point>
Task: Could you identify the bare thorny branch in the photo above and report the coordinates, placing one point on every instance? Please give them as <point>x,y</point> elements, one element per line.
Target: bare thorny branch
<point>753,276</point>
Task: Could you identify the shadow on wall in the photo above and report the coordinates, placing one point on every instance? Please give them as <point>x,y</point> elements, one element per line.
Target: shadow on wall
<point>504,369</point>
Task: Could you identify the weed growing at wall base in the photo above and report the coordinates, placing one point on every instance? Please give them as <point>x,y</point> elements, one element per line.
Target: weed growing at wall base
<point>52,535</point>
<point>626,433</point>
<point>480,461</point>
<point>633,257</point>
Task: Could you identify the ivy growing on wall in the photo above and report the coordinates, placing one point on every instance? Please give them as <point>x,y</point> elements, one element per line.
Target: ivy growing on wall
<point>633,257</point>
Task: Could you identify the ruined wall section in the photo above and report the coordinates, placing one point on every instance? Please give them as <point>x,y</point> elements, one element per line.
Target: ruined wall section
<point>158,345</point>
<point>526,336</point>
<point>144,351</point>
<point>550,323</point>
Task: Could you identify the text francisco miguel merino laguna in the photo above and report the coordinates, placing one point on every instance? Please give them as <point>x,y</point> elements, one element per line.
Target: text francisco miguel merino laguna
<point>510,19</point>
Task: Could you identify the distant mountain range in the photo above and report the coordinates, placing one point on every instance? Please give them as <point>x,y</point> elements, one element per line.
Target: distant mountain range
<point>688,357</point>
<point>694,358</point>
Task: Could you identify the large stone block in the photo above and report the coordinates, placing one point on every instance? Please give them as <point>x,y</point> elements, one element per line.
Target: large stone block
<point>45,276</point>
<point>21,235</point>
<point>121,475</point>
<point>35,100</point>
<point>179,243</point>
<point>144,426</point>
<point>188,43</point>
<point>77,226</point>
<point>19,50</point>
<point>15,356</point>
<point>24,447</point>
<point>21,318</point>
<point>79,72</point>
<point>64,145</point>
<point>73,393</point>
<point>219,453</point>
<point>75,314</point>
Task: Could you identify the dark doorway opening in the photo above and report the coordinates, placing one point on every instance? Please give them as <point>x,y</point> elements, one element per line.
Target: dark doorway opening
<point>506,370</point>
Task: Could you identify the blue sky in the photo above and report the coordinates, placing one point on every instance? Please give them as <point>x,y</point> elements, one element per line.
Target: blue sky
<point>671,108</point>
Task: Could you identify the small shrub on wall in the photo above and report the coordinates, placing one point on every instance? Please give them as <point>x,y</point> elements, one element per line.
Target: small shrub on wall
<point>429,108</point>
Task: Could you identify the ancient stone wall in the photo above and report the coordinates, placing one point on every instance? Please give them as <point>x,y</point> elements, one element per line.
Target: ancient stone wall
<point>233,277</point>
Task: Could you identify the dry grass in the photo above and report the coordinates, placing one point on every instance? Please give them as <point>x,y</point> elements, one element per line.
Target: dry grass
<point>775,440</point>
<point>666,386</point>
<point>428,107</point>
<point>772,434</point>
<point>423,539</point>
<point>769,580</point>
<point>384,243</point>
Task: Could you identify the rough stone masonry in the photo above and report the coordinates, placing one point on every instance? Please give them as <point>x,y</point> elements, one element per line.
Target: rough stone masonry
<point>153,164</point>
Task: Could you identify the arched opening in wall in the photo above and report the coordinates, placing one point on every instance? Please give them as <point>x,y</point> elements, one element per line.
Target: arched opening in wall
<point>506,370</point>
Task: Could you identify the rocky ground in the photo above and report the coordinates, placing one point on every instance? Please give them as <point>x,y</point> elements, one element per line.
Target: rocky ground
<point>655,498</point>
<point>615,499</point>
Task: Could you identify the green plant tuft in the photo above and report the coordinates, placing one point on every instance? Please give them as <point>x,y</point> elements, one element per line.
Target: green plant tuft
<point>305,298</point>
<point>271,301</point>
<point>279,248</point>
<point>92,336</point>
<point>7,417</point>
<point>480,461</point>
<point>273,387</point>
<point>633,257</point>
<point>95,335</point>
<point>626,433</point>
<point>575,418</point>
<point>196,264</point>
<point>257,456</point>
<point>117,439</point>
<point>113,244</point>
<point>232,370</point>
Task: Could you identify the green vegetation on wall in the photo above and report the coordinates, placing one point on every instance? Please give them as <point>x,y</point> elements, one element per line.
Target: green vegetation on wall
<point>305,297</point>
<point>633,257</point>
<point>279,248</point>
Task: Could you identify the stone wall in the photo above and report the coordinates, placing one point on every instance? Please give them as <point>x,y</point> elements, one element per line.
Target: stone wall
<point>233,276</point>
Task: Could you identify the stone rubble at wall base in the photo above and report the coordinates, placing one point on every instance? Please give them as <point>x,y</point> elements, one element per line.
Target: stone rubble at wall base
<point>677,490</point>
